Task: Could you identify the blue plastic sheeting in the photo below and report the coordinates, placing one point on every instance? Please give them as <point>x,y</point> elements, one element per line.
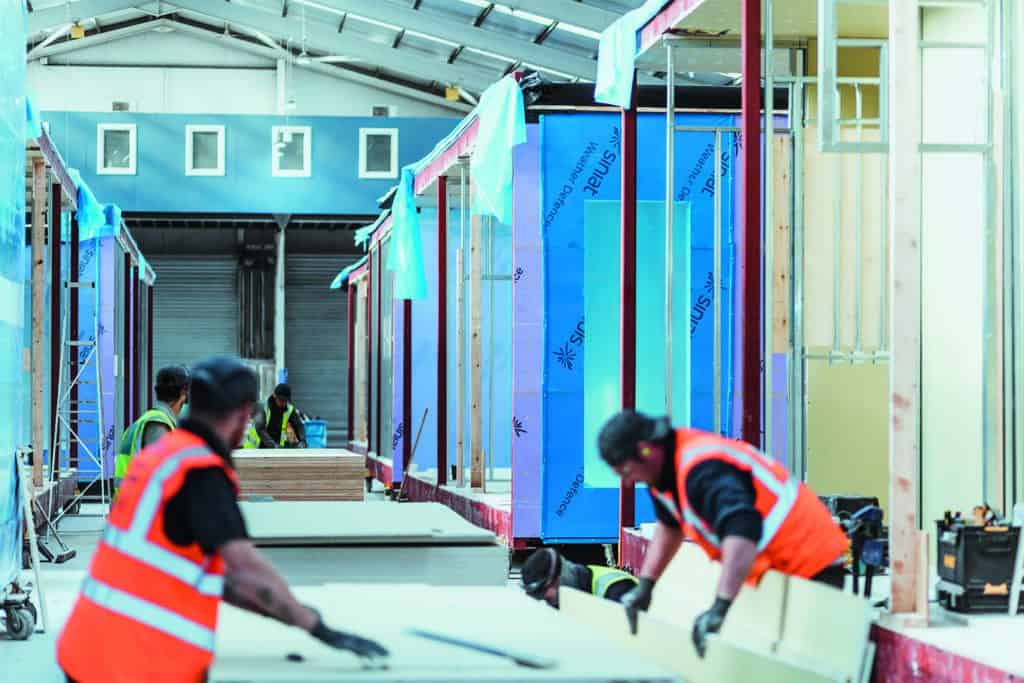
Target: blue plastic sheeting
<point>616,55</point>
<point>342,277</point>
<point>91,216</point>
<point>424,363</point>
<point>502,127</point>
<point>33,124</point>
<point>580,164</point>
<point>13,430</point>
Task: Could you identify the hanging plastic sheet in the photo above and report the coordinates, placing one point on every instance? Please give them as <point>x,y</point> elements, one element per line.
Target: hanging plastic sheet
<point>33,124</point>
<point>406,258</point>
<point>616,55</point>
<point>502,115</point>
<point>91,215</point>
<point>363,234</point>
<point>341,278</point>
<point>13,431</point>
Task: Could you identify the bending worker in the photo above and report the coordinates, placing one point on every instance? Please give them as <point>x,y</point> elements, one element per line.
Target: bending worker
<point>546,570</point>
<point>171,395</point>
<point>174,547</point>
<point>743,508</point>
<point>278,415</point>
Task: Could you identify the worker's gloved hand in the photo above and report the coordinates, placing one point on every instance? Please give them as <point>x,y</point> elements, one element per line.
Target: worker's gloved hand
<point>709,622</point>
<point>637,600</point>
<point>361,647</point>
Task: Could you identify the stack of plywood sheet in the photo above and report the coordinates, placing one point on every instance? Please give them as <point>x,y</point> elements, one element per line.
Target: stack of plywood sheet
<point>300,474</point>
<point>787,630</point>
<point>251,648</point>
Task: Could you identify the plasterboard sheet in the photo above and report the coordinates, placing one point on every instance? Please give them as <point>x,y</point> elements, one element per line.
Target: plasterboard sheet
<point>361,523</point>
<point>670,646</point>
<point>251,649</point>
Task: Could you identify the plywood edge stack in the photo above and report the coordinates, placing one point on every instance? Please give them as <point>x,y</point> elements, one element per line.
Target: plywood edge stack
<point>306,474</point>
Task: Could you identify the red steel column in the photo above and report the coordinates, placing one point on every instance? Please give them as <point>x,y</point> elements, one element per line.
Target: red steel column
<point>406,385</point>
<point>752,284</point>
<point>137,382</point>
<point>380,342</point>
<point>149,347</point>
<point>369,349</point>
<point>627,493</point>
<point>351,359</point>
<point>73,333</point>
<point>56,285</point>
<point>442,330</point>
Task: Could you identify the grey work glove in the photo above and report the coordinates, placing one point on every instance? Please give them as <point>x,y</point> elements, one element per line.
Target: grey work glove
<point>709,622</point>
<point>636,600</point>
<point>359,646</point>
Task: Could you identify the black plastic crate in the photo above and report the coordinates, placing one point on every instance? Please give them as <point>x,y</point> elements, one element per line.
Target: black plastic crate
<point>843,506</point>
<point>975,565</point>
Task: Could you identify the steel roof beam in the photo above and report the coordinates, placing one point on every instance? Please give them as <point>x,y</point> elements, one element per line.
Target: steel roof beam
<point>477,37</point>
<point>567,12</point>
<point>325,38</point>
<point>51,17</point>
<point>97,39</point>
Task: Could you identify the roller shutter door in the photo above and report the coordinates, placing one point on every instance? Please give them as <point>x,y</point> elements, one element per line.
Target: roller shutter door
<point>196,308</point>
<point>316,339</point>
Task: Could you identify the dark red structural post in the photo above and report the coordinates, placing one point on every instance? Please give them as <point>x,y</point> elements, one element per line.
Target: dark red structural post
<point>752,281</point>
<point>150,311</point>
<point>406,385</point>
<point>627,493</point>
<point>129,342</point>
<point>380,341</point>
<point>351,360</point>
<point>442,330</point>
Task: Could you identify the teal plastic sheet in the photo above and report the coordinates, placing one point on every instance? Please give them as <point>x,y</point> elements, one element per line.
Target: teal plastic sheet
<point>616,55</point>
<point>33,124</point>
<point>91,215</point>
<point>406,258</point>
<point>13,428</point>
<point>502,115</point>
<point>342,277</point>
<point>601,294</point>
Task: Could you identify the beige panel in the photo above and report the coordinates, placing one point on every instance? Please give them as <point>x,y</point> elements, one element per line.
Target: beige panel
<point>793,19</point>
<point>847,429</point>
<point>862,198</point>
<point>1018,182</point>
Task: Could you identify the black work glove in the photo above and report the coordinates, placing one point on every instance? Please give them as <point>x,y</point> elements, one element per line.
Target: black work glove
<point>636,600</point>
<point>361,647</point>
<point>709,622</point>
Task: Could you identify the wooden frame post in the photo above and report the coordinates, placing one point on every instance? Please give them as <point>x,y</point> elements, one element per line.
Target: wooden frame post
<point>442,330</point>
<point>476,432</point>
<point>750,40</point>
<point>627,329</point>
<point>39,200</point>
<point>56,197</point>
<point>905,295</point>
<point>73,334</point>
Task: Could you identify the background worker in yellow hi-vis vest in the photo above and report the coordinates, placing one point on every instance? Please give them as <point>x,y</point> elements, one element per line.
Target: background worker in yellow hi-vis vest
<point>546,570</point>
<point>171,395</point>
<point>280,425</point>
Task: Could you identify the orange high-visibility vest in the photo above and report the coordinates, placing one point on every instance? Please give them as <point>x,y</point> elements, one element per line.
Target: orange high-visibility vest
<point>147,610</point>
<point>798,535</point>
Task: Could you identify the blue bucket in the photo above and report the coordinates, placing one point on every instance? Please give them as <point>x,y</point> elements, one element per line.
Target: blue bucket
<point>316,433</point>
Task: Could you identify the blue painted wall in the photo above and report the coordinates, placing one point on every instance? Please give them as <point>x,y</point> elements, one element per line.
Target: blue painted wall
<point>160,183</point>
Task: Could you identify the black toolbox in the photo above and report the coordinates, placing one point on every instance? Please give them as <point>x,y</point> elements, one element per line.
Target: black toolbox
<point>975,566</point>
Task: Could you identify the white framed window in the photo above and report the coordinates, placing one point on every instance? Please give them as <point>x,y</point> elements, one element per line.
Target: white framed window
<point>115,149</point>
<point>204,150</point>
<point>291,150</point>
<point>378,153</point>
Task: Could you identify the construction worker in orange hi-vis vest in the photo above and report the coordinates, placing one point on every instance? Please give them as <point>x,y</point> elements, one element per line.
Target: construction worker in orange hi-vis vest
<point>175,546</point>
<point>743,508</point>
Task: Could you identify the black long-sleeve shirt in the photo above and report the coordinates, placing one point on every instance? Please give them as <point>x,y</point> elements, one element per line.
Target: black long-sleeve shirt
<point>719,493</point>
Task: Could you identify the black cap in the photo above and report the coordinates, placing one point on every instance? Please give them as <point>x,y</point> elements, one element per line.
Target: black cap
<point>222,384</point>
<point>540,571</point>
<point>620,435</point>
<point>283,391</point>
<point>170,381</point>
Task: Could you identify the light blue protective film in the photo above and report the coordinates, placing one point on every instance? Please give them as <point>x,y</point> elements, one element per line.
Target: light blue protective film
<point>602,305</point>
<point>13,433</point>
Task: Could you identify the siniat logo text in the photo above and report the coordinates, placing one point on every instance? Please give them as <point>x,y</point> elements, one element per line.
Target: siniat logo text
<point>604,166</point>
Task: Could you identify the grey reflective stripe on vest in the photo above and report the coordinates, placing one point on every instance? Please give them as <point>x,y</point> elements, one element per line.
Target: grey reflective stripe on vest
<point>154,616</point>
<point>605,581</point>
<point>133,542</point>
<point>785,492</point>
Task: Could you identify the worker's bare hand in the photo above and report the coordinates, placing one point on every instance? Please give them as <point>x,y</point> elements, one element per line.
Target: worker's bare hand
<point>359,646</point>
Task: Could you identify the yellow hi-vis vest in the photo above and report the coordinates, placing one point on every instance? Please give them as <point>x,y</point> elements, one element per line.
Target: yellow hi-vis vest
<point>132,440</point>
<point>252,437</point>
<point>284,422</point>
<point>604,578</point>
